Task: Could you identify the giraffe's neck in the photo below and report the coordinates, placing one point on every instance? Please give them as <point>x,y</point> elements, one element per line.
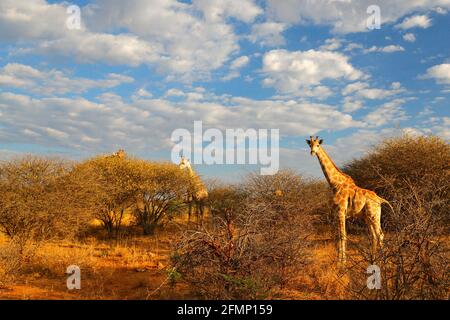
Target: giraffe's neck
<point>198,182</point>
<point>200,191</point>
<point>333,175</point>
<point>191,172</point>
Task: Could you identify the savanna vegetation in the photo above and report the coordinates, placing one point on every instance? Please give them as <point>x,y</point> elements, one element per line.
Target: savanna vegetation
<point>123,221</point>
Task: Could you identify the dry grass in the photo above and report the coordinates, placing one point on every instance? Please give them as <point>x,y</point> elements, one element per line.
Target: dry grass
<point>129,269</point>
<point>137,269</point>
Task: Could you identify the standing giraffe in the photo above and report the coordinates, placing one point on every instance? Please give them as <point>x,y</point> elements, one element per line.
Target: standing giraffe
<point>120,154</point>
<point>350,199</point>
<point>199,194</point>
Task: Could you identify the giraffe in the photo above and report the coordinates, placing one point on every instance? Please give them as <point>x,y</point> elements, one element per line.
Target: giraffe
<point>350,200</point>
<point>278,193</point>
<point>121,154</point>
<point>199,195</point>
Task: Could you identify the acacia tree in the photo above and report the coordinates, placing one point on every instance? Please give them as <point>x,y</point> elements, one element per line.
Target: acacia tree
<point>255,241</point>
<point>413,174</point>
<point>111,183</point>
<point>159,194</point>
<point>396,164</point>
<point>150,191</point>
<point>35,201</point>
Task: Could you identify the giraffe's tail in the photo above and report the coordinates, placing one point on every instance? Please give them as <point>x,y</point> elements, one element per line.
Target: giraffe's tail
<point>382,200</point>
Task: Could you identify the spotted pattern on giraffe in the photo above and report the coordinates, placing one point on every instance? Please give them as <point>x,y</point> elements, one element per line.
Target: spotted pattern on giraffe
<point>349,199</point>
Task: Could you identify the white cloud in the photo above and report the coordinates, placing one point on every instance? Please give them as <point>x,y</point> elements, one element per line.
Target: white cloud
<point>351,105</point>
<point>181,40</point>
<point>352,87</point>
<point>346,16</point>
<point>438,99</point>
<point>185,41</point>
<point>231,75</point>
<point>31,20</point>
<point>387,49</point>
<point>439,126</point>
<point>331,44</point>
<point>235,65</point>
<point>74,122</point>
<point>54,82</point>
<point>141,92</point>
<point>268,34</point>
<point>396,85</point>
<point>443,128</point>
<point>54,133</point>
<point>419,21</point>
<point>343,149</point>
<point>426,112</point>
<point>88,47</point>
<point>353,46</point>
<point>373,93</point>
<point>389,112</point>
<point>361,141</point>
<point>244,10</point>
<point>440,10</point>
<point>358,143</point>
<point>440,73</point>
<point>6,154</point>
<point>299,71</point>
<point>240,62</point>
<point>188,45</point>
<point>188,41</point>
<point>410,37</point>
<point>174,93</point>
<point>363,91</point>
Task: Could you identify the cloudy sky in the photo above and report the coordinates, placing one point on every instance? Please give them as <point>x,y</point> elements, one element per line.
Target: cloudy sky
<point>136,70</point>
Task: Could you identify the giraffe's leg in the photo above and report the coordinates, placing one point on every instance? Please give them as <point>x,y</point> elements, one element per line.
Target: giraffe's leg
<point>342,232</point>
<point>197,211</point>
<point>189,210</point>
<point>374,222</point>
<point>372,234</point>
<point>377,224</point>
<point>200,209</point>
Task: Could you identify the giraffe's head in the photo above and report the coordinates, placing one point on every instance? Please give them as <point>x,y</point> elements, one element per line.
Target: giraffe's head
<point>184,163</point>
<point>314,144</point>
<point>121,153</point>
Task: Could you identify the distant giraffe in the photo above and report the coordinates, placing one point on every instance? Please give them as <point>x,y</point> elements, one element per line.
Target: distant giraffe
<point>121,154</point>
<point>199,194</point>
<point>350,199</point>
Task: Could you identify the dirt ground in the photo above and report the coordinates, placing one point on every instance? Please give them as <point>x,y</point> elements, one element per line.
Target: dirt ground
<point>134,268</point>
<point>138,268</point>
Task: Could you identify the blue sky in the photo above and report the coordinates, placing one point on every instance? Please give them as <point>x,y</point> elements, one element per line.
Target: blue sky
<point>137,70</point>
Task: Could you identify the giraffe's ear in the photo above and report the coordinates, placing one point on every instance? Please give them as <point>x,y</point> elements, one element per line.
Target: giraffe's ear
<point>308,142</point>
<point>320,141</point>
